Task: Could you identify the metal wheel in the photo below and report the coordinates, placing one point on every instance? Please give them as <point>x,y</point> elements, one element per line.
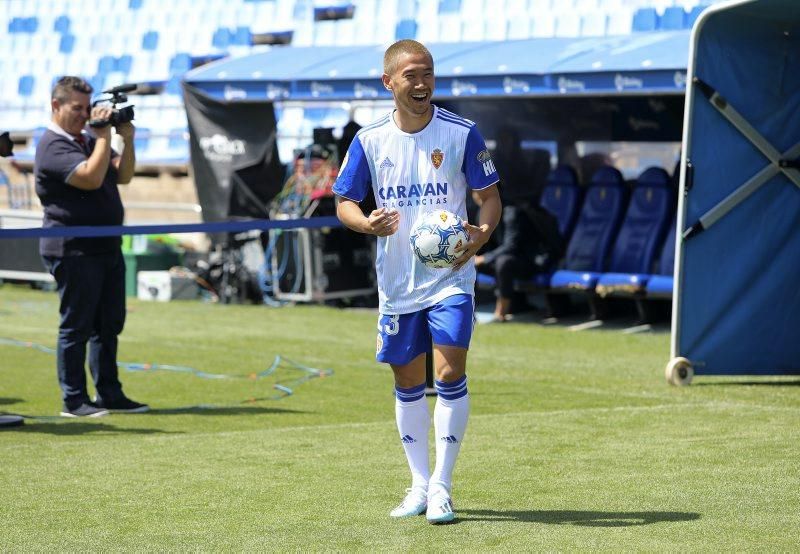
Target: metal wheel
<point>679,372</point>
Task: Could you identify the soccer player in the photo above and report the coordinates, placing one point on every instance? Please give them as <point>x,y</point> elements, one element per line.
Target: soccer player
<point>416,159</point>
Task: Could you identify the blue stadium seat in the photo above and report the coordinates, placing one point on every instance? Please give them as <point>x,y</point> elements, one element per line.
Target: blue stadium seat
<point>449,6</point>
<point>180,63</point>
<point>241,36</point>
<point>640,236</point>
<point>594,232</point>
<point>660,285</point>
<point>61,24</point>
<point>124,63</point>
<point>25,87</point>
<point>561,196</point>
<point>106,64</point>
<point>134,4</point>
<point>407,28</point>
<point>221,38</point>
<point>673,19</point>
<point>141,139</point>
<point>66,44</point>
<point>16,25</point>
<point>150,40</point>
<point>645,19</point>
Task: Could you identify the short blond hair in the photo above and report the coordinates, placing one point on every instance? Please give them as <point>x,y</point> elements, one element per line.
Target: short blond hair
<point>405,46</point>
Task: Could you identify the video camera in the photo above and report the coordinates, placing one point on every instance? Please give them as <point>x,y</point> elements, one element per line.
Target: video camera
<point>118,116</point>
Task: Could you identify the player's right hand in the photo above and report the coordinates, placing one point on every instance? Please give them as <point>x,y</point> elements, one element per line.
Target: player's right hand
<point>383,222</point>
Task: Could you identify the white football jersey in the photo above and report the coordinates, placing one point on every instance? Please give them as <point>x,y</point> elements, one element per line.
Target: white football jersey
<point>416,173</point>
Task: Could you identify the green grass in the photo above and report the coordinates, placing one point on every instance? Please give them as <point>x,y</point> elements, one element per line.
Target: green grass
<point>575,443</point>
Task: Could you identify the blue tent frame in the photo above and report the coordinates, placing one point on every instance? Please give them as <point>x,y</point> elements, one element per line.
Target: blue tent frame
<point>736,307</point>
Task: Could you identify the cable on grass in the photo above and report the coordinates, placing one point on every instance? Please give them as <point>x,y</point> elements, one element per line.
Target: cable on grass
<point>282,388</point>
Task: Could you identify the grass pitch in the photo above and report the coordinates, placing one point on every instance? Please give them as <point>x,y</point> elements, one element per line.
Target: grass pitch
<point>575,443</point>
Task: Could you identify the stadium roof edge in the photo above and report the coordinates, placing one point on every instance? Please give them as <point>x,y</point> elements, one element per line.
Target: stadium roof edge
<point>637,63</point>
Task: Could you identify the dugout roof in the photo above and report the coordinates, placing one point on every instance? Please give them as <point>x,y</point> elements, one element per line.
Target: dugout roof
<point>640,63</point>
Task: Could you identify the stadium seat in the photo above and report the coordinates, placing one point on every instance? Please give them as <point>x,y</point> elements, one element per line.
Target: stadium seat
<point>141,140</point>
<point>449,6</point>
<point>150,40</point>
<point>561,196</point>
<point>26,83</point>
<point>660,285</point>
<point>594,232</point>
<point>673,18</point>
<point>61,24</point>
<point>66,44</point>
<point>640,236</point>
<point>406,28</point>
<point>645,19</point>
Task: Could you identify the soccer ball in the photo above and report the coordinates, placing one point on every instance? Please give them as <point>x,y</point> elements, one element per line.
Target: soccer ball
<point>435,236</point>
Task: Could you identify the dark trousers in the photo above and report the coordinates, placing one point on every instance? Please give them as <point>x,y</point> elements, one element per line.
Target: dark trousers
<point>507,268</point>
<point>92,293</point>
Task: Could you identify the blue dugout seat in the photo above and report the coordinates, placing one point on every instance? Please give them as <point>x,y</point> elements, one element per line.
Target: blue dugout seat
<point>640,236</point>
<point>660,285</point>
<point>594,232</point>
<point>561,196</point>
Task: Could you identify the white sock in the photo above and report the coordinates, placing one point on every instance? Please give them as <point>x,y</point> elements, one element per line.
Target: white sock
<point>413,422</point>
<point>450,422</point>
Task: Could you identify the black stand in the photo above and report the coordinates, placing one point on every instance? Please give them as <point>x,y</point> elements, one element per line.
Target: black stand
<point>10,421</point>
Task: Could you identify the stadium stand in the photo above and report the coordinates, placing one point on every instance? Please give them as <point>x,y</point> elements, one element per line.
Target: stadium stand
<point>152,42</point>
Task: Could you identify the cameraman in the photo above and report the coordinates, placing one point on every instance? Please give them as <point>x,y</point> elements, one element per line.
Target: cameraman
<point>77,174</point>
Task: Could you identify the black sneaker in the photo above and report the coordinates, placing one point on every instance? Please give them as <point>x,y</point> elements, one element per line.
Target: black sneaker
<point>84,410</point>
<point>123,405</point>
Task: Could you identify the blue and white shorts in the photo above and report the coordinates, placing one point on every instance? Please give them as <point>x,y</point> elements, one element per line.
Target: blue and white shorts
<point>401,338</point>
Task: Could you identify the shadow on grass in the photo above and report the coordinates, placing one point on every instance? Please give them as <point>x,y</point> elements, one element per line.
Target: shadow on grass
<point>212,410</point>
<point>781,383</point>
<point>577,517</point>
<point>9,401</point>
<point>70,428</point>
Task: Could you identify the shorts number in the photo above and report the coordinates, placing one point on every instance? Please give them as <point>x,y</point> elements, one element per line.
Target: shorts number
<point>393,327</point>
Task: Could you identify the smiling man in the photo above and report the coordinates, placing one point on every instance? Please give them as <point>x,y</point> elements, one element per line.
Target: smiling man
<point>414,160</point>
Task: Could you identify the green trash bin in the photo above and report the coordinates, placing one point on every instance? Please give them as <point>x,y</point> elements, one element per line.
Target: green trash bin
<point>156,261</point>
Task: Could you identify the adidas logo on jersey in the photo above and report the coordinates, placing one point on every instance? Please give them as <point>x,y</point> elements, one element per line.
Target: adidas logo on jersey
<point>408,439</point>
<point>386,163</point>
<point>449,439</point>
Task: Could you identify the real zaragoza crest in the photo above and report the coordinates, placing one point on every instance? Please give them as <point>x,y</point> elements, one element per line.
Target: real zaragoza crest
<point>437,157</point>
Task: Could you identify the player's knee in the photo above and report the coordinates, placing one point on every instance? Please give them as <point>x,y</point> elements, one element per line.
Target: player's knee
<point>448,374</point>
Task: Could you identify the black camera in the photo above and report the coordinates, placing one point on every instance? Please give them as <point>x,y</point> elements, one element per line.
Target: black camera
<point>118,115</point>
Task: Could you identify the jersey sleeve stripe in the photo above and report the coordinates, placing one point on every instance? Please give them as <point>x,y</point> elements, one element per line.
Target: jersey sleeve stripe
<point>455,116</point>
<point>380,123</point>
<point>486,187</point>
<point>453,121</point>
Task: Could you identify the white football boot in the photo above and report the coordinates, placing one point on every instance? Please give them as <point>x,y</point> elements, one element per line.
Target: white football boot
<point>413,504</point>
<point>440,507</point>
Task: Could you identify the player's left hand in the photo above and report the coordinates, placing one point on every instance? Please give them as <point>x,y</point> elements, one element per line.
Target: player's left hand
<point>478,236</point>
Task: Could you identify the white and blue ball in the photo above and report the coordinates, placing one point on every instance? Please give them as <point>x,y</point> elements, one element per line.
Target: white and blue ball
<point>435,237</point>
